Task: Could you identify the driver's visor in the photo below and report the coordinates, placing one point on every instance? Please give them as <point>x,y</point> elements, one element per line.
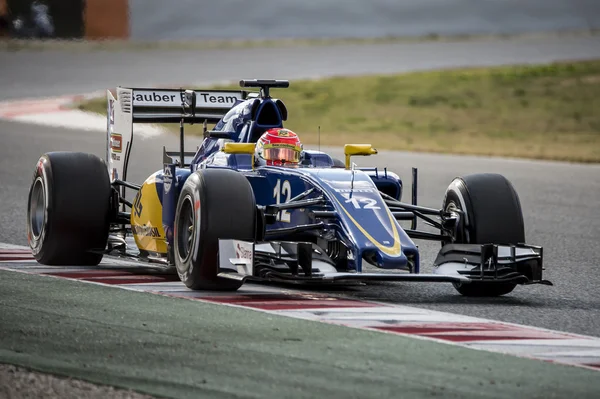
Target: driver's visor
<point>281,153</point>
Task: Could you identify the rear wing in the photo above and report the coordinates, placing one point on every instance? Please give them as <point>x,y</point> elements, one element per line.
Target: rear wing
<point>147,105</point>
<point>167,105</point>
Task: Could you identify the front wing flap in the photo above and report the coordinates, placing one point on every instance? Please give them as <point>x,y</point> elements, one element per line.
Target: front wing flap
<point>520,264</point>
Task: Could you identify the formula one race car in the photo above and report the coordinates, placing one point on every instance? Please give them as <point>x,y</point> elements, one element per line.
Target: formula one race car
<point>218,218</point>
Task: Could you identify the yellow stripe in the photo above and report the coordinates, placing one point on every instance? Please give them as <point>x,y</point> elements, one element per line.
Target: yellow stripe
<point>149,219</point>
<point>394,250</point>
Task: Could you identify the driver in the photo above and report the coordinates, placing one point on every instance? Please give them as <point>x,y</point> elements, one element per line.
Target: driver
<point>278,147</point>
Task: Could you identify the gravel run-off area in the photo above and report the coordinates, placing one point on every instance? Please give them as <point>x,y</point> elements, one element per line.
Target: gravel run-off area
<point>17,383</point>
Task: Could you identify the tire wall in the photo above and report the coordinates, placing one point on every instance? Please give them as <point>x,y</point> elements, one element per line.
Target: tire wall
<point>106,19</point>
<point>76,19</point>
<point>3,18</point>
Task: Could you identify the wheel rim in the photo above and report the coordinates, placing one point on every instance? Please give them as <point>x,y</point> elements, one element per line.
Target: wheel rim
<point>37,209</point>
<point>451,207</point>
<point>459,233</point>
<point>186,229</point>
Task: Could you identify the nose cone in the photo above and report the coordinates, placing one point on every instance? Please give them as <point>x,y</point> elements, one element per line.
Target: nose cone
<point>380,259</point>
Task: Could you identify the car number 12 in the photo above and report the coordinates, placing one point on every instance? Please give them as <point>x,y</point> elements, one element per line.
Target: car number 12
<point>362,203</point>
<point>282,190</point>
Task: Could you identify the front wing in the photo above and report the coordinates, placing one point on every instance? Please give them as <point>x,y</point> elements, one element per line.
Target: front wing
<point>303,263</point>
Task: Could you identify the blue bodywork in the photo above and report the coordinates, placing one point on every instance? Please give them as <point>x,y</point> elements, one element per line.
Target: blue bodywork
<point>362,221</point>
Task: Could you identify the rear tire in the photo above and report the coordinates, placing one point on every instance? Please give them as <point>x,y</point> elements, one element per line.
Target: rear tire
<point>68,209</point>
<point>214,204</point>
<point>492,214</point>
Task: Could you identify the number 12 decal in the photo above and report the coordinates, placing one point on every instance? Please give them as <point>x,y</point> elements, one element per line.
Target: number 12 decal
<point>362,203</point>
<point>282,190</point>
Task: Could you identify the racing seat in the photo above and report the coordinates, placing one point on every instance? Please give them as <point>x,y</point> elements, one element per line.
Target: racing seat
<point>266,114</point>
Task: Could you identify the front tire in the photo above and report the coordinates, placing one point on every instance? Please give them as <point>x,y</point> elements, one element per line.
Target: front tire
<point>68,209</point>
<point>491,214</point>
<point>214,204</point>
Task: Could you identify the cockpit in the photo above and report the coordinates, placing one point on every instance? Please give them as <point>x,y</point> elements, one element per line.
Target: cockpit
<point>249,119</point>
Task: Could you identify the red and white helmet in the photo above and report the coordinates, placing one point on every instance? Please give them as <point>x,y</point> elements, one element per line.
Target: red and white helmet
<point>278,147</point>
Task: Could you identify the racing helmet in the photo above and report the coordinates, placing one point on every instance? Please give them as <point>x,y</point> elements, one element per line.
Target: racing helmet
<point>278,147</point>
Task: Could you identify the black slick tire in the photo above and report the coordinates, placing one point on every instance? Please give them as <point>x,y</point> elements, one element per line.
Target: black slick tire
<point>68,209</point>
<point>492,214</point>
<point>214,204</point>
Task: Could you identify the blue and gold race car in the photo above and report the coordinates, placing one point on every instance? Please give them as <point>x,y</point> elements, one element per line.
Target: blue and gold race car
<point>220,219</point>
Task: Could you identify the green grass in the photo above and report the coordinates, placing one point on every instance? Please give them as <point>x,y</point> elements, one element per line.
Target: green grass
<point>540,111</point>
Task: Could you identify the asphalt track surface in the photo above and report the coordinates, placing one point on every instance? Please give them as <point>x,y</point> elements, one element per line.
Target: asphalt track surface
<point>175,347</point>
<point>560,201</point>
<point>232,19</point>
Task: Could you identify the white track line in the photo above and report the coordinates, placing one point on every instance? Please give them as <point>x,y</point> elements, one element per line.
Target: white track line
<point>59,112</point>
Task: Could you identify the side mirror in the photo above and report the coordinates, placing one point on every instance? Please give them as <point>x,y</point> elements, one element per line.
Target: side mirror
<point>240,148</point>
<point>189,102</point>
<point>357,149</point>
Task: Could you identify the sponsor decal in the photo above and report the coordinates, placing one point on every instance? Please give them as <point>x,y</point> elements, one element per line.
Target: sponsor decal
<point>350,184</point>
<point>244,254</point>
<point>116,142</point>
<point>137,204</point>
<point>145,231</point>
<point>211,99</point>
<point>283,133</point>
<point>282,145</point>
<point>149,97</point>
<point>241,252</point>
<point>115,157</point>
<point>207,99</point>
<point>167,179</point>
<point>356,190</point>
